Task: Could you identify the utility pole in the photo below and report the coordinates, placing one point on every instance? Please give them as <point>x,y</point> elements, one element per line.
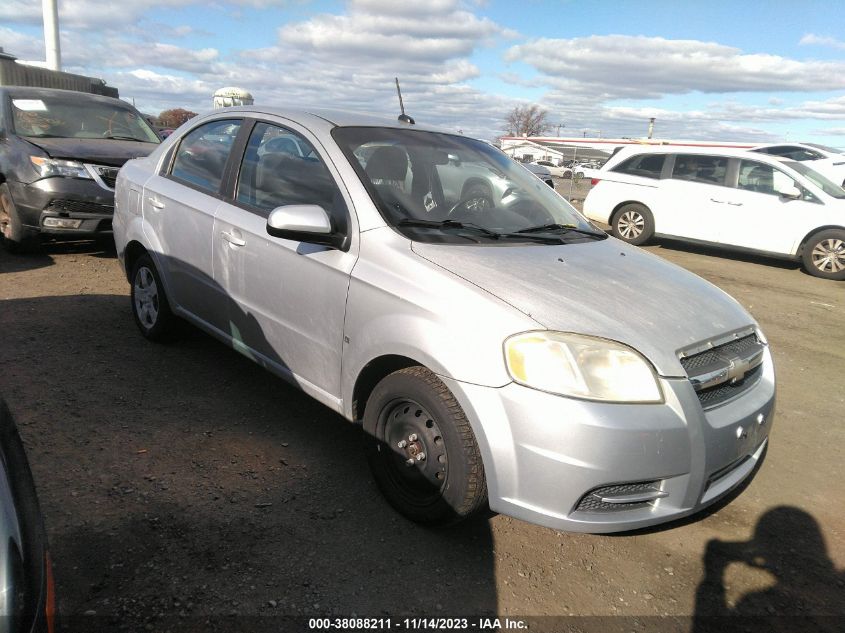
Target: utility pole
<point>53,52</point>
<point>559,125</point>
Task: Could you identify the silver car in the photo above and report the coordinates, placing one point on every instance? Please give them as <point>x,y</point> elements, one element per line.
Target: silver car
<point>493,352</point>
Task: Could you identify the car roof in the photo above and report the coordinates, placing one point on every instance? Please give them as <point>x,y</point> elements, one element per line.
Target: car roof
<point>336,118</point>
<point>631,150</point>
<point>29,92</point>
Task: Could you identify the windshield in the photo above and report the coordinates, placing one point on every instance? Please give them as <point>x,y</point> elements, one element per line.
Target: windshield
<point>826,148</point>
<point>830,188</point>
<point>446,188</point>
<point>59,117</point>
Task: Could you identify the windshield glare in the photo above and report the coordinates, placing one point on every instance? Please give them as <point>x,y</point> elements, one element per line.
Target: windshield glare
<point>430,178</point>
<point>77,118</point>
<point>830,188</point>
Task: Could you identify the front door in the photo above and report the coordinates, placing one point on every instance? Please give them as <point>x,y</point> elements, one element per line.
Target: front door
<point>288,297</point>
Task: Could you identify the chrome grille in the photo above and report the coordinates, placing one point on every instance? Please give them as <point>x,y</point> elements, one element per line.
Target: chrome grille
<point>725,371</point>
<point>103,175</point>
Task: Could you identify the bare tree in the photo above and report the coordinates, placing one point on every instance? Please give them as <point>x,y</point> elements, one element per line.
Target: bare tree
<point>527,120</point>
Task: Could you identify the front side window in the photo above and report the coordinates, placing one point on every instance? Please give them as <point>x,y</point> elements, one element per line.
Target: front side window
<point>830,188</point>
<point>645,165</point>
<point>763,178</point>
<point>74,117</point>
<point>203,152</point>
<point>700,168</point>
<point>446,188</point>
<point>281,168</point>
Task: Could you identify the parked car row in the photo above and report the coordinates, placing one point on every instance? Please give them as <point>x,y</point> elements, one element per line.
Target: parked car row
<point>427,286</point>
<point>732,198</point>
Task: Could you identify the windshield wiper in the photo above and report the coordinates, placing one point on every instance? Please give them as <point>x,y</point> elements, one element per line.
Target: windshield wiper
<point>449,224</point>
<point>561,228</point>
<point>119,137</point>
<point>454,224</point>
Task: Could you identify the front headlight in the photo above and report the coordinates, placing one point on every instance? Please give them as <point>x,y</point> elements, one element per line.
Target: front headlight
<point>581,367</point>
<point>47,167</point>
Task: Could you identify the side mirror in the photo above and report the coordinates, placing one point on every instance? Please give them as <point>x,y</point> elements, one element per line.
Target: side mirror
<point>790,192</point>
<point>304,223</point>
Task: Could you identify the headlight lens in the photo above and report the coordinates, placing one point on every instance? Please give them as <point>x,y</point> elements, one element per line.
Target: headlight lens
<point>581,367</point>
<point>47,167</point>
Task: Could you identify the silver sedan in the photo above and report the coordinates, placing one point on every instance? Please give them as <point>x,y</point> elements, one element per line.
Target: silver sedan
<point>497,348</point>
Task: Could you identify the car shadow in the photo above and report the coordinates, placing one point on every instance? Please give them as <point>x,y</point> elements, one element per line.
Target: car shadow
<point>724,253</point>
<point>185,488</point>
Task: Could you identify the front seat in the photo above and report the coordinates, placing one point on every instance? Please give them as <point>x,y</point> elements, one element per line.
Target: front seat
<point>388,167</point>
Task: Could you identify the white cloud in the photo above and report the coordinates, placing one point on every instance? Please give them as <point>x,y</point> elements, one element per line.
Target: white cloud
<point>811,39</point>
<point>623,66</point>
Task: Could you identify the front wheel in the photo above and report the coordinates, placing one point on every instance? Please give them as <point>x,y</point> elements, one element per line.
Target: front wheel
<point>15,237</point>
<point>824,255</point>
<point>149,302</point>
<point>633,223</point>
<point>421,449</point>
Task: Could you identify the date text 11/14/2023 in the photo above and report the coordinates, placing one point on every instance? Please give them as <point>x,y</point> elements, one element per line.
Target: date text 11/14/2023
<point>415,624</point>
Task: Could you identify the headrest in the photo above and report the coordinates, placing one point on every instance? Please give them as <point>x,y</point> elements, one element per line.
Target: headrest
<point>387,163</point>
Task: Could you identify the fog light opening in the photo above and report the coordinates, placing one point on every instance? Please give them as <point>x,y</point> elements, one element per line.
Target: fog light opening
<point>62,223</point>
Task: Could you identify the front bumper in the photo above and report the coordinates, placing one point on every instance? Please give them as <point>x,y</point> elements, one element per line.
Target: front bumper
<point>64,198</point>
<point>544,455</point>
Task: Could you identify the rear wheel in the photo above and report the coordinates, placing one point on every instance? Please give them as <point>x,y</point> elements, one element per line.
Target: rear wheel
<point>633,223</point>
<point>149,302</point>
<point>824,254</point>
<point>421,449</point>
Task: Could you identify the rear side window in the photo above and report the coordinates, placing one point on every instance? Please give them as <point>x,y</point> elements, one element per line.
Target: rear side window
<point>203,152</point>
<point>700,168</point>
<point>646,165</point>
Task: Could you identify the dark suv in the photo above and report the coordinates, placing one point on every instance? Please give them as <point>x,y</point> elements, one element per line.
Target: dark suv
<point>60,152</point>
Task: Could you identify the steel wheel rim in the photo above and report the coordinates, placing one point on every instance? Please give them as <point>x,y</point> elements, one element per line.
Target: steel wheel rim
<point>406,430</point>
<point>631,224</point>
<point>146,297</point>
<point>829,255</point>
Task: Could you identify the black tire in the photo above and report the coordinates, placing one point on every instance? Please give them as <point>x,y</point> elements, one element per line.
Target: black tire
<point>824,254</point>
<point>413,407</point>
<point>14,236</point>
<point>633,223</point>
<point>149,302</point>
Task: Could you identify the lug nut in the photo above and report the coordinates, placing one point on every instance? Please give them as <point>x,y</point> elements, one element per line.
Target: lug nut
<point>420,457</point>
<point>402,444</point>
<point>412,437</point>
<point>409,462</point>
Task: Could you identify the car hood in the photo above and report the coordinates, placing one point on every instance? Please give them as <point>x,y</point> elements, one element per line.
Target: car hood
<point>607,289</point>
<point>93,150</point>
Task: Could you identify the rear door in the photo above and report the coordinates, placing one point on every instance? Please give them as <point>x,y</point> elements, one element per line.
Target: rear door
<point>693,198</point>
<point>288,298</point>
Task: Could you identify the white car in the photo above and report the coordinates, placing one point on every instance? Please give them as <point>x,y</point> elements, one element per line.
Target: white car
<point>723,197</point>
<point>558,171</point>
<point>828,161</point>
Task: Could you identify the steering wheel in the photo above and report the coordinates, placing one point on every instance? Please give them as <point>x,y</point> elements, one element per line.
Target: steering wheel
<point>476,200</point>
<point>117,130</point>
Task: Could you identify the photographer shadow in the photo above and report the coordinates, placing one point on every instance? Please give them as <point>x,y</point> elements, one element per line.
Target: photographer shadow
<point>806,593</point>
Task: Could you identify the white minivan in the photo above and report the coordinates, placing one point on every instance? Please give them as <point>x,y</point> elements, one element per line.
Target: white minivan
<point>725,197</point>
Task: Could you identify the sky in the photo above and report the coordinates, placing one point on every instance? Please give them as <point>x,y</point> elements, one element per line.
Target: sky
<point>732,71</point>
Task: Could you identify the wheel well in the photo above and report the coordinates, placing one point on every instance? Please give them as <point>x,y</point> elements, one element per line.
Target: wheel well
<point>813,232</point>
<point>133,251</point>
<point>371,375</point>
<point>619,206</point>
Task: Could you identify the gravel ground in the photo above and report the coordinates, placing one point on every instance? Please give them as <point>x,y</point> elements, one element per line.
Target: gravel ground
<point>184,488</point>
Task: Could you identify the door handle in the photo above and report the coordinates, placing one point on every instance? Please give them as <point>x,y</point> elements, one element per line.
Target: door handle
<point>717,201</point>
<point>735,204</point>
<point>154,203</point>
<point>233,240</point>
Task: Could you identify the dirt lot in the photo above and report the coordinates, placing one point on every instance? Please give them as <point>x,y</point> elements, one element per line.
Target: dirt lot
<point>186,489</point>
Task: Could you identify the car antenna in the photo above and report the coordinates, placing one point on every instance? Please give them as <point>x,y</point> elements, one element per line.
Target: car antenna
<point>403,117</point>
